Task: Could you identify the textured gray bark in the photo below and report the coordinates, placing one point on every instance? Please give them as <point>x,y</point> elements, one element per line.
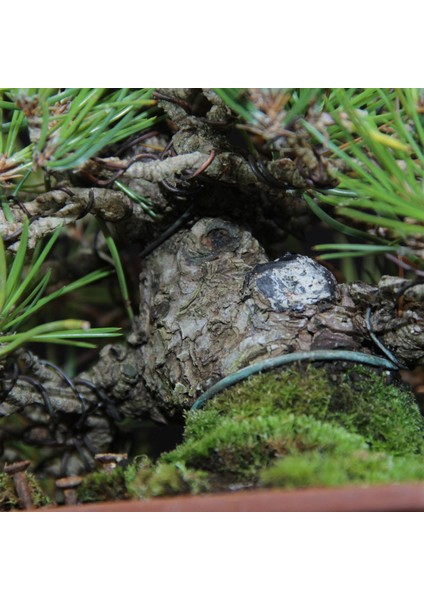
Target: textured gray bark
<point>210,304</point>
<point>229,186</point>
<point>207,310</point>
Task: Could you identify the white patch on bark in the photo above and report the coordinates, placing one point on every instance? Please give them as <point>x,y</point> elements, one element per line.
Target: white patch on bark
<point>293,282</point>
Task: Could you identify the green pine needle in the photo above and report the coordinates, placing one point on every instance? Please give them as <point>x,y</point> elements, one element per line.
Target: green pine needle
<point>22,294</point>
<point>118,267</point>
<point>379,135</point>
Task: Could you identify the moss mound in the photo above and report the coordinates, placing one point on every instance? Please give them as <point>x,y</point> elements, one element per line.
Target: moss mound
<point>359,399</point>
<point>305,427</point>
<point>317,469</point>
<point>240,448</point>
<point>311,426</point>
<point>101,486</point>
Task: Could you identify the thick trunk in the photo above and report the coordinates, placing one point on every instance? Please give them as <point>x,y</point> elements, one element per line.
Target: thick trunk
<point>210,304</point>
<point>211,301</point>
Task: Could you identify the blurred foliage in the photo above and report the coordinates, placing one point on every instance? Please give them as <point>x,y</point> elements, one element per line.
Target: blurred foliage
<point>375,140</point>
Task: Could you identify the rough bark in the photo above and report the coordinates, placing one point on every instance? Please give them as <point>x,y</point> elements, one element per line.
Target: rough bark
<point>211,303</point>
<point>197,166</point>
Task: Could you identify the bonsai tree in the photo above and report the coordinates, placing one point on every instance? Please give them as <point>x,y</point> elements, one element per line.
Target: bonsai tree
<point>279,356</point>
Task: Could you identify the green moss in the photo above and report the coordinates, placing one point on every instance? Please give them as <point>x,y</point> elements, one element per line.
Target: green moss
<point>359,399</point>
<point>9,499</point>
<point>306,426</point>
<point>146,480</point>
<point>102,486</point>
<point>141,479</point>
<point>316,469</point>
<point>39,497</point>
<point>295,428</point>
<point>242,447</point>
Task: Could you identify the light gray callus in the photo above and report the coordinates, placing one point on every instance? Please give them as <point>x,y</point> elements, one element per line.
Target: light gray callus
<point>291,283</point>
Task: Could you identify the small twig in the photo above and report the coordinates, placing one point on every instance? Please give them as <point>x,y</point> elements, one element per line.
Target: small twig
<point>404,265</point>
<point>20,204</point>
<point>137,140</point>
<point>169,149</point>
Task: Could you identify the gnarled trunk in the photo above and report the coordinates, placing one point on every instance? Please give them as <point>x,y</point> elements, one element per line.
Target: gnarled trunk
<point>210,304</point>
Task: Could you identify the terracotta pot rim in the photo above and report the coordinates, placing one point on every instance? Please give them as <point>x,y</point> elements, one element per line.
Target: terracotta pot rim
<point>370,498</point>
